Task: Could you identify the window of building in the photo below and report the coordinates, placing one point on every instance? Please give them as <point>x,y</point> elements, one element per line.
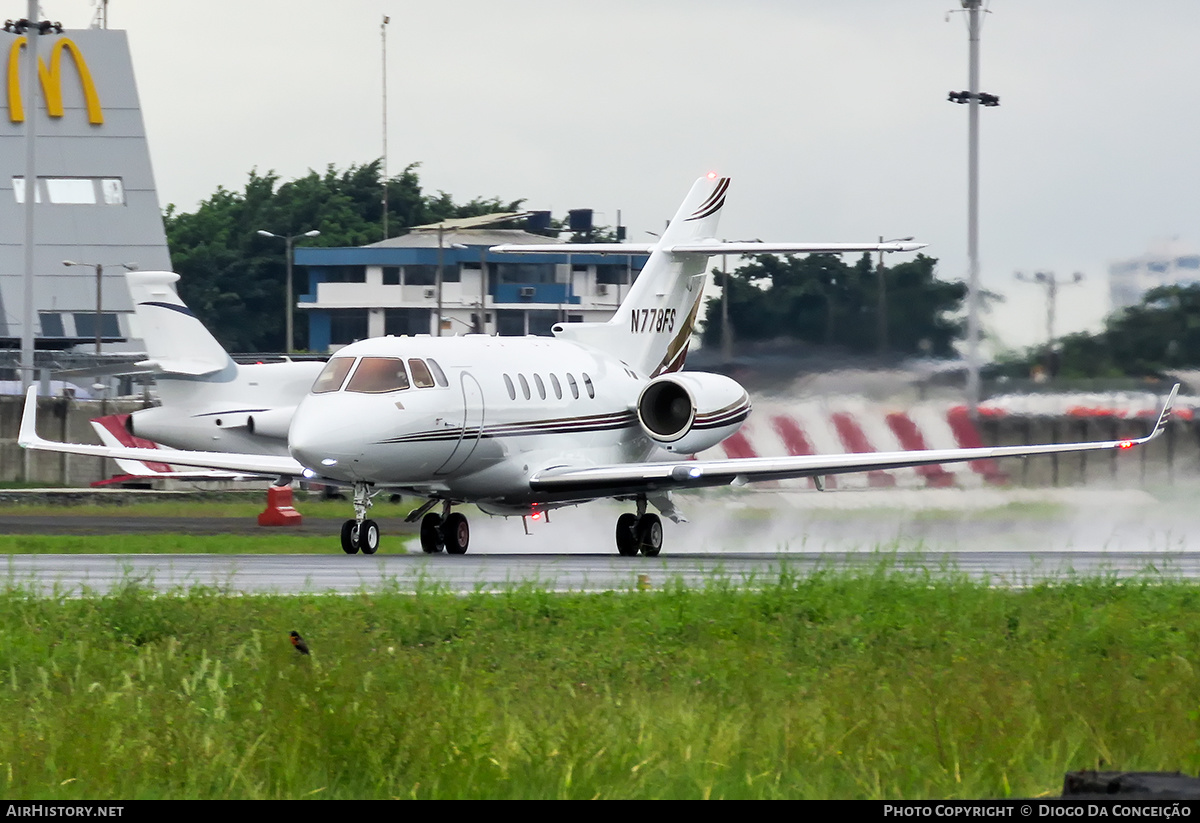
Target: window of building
<point>399,322</point>
<point>75,191</point>
<point>85,324</point>
<point>333,375</point>
<point>542,321</point>
<point>391,275</point>
<point>530,273</point>
<point>345,274</point>
<point>421,376</point>
<point>379,375</point>
<point>347,325</point>
<point>508,384</point>
<point>52,324</point>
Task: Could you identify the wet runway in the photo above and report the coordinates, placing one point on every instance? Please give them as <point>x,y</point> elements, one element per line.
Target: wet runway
<point>746,541</point>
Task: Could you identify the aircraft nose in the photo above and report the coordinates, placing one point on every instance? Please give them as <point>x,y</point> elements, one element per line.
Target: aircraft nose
<point>323,439</point>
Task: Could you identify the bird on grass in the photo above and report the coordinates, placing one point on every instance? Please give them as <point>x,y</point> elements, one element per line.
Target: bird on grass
<point>299,643</point>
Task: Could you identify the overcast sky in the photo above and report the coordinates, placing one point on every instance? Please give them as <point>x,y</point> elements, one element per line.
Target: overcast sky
<point>830,115</point>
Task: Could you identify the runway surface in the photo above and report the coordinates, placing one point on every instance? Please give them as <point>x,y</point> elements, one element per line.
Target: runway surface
<point>745,540</point>
<point>72,575</point>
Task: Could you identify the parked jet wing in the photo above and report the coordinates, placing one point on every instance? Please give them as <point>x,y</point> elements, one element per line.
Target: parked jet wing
<point>707,247</point>
<point>260,464</point>
<point>640,478</point>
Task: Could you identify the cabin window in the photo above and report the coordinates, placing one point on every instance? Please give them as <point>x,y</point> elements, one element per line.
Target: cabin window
<point>574,386</point>
<point>333,375</point>
<point>557,386</point>
<point>587,381</point>
<point>524,385</point>
<point>541,387</point>
<point>508,384</point>
<point>421,377</point>
<point>438,374</point>
<point>378,375</point>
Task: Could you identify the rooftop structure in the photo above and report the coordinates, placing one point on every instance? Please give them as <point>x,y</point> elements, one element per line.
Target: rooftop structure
<point>393,286</point>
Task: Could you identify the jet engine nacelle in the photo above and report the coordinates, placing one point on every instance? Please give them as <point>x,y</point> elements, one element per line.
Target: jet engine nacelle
<point>182,431</point>
<point>688,412</point>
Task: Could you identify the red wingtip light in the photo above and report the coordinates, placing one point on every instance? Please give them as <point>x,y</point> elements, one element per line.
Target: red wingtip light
<point>712,175</point>
<point>1125,444</point>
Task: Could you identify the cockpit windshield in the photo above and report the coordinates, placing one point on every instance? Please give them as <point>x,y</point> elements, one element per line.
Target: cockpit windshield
<point>377,375</point>
<point>333,375</point>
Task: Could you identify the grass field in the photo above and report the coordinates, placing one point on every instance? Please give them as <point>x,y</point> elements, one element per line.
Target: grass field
<point>868,685</point>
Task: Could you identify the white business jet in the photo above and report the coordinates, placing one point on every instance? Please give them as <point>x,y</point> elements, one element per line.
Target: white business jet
<point>208,402</point>
<point>519,426</point>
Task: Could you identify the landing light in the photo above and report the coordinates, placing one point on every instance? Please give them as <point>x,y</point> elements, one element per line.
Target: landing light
<point>328,461</point>
<point>1125,444</point>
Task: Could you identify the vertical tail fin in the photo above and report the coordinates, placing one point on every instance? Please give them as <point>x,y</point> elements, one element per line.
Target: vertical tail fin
<point>176,340</point>
<point>653,326</point>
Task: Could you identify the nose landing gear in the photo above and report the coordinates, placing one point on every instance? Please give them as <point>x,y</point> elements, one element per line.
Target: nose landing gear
<point>360,534</point>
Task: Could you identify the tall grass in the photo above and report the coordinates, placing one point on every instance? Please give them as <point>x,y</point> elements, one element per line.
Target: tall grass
<point>840,684</point>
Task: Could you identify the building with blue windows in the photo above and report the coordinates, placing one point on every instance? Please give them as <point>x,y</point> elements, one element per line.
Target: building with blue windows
<point>447,282</point>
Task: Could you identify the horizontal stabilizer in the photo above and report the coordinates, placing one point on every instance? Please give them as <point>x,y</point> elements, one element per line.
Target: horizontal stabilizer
<point>195,368</point>
<point>705,247</point>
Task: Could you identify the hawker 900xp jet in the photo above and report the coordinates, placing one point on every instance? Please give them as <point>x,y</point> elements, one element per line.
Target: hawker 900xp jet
<point>520,425</point>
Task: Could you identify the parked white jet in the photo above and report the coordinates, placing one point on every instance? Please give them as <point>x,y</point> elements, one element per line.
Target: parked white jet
<point>522,425</point>
<point>209,402</point>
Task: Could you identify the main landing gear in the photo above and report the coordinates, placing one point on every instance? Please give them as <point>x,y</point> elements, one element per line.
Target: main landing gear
<point>448,530</point>
<point>360,534</point>
<point>641,532</point>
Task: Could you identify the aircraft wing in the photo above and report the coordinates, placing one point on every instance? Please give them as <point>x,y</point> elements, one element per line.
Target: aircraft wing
<point>642,478</point>
<point>258,464</point>
<point>706,247</point>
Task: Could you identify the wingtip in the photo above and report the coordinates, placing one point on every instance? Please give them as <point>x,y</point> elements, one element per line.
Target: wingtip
<point>27,436</point>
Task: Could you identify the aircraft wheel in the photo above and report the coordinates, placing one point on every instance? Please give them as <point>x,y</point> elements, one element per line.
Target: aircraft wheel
<point>650,534</point>
<point>368,537</point>
<point>627,543</point>
<point>349,543</point>
<point>456,533</point>
<point>431,533</point>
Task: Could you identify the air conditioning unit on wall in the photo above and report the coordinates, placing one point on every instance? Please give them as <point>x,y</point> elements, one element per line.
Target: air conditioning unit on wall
<point>528,292</point>
<point>430,294</point>
<point>602,289</point>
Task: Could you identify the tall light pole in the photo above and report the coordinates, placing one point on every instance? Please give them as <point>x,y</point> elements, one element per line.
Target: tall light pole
<point>973,98</point>
<point>1051,284</point>
<point>882,330</point>
<point>383,38</point>
<point>99,267</point>
<point>288,240</point>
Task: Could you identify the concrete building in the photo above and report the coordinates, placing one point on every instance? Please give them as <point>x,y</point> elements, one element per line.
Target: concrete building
<point>391,287</point>
<point>1168,263</point>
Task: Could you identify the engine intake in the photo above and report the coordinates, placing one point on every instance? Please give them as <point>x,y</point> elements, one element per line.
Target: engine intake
<point>689,412</point>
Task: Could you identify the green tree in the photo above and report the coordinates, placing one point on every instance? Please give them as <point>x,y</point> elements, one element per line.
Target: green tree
<point>820,299</point>
<point>233,279</point>
<point>1159,333</point>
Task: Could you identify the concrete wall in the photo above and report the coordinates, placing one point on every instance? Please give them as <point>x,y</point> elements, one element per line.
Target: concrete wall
<point>58,419</point>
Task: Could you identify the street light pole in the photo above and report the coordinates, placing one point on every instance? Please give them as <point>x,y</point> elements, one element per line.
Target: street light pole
<point>287,242</point>
<point>99,267</point>
<point>882,330</point>
<point>1051,283</point>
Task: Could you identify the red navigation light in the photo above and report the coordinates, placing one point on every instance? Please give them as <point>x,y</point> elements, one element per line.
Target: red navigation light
<point>536,515</point>
<point>1125,444</point>
<point>712,175</point>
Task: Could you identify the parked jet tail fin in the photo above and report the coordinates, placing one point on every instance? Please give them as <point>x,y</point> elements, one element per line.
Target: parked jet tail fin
<point>176,341</point>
